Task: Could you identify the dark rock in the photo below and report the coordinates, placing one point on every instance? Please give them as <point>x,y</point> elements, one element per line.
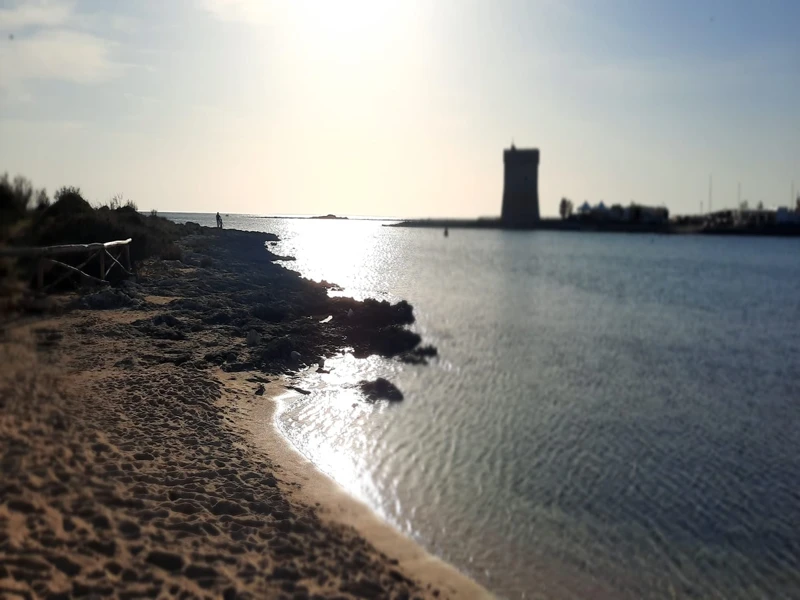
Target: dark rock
<point>268,313</point>
<point>297,389</point>
<point>260,389</point>
<point>388,341</point>
<point>381,389</point>
<point>126,363</point>
<point>419,356</point>
<point>167,320</point>
<point>108,299</point>
<point>374,314</point>
<point>220,317</point>
<point>238,367</point>
<point>277,348</point>
<point>226,507</point>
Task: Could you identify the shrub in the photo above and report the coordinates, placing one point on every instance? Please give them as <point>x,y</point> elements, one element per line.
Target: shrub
<point>42,201</point>
<point>70,219</point>
<point>15,196</point>
<point>68,191</point>
<point>78,223</point>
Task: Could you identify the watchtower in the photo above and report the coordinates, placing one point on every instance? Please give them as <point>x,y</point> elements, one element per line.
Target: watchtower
<point>520,187</point>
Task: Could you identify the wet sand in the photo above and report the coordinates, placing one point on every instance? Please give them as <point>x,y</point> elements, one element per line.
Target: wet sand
<point>140,456</point>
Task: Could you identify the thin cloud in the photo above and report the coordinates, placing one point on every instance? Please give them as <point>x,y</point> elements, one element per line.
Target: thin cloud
<point>51,42</point>
<point>44,14</point>
<point>242,11</point>
<point>59,54</point>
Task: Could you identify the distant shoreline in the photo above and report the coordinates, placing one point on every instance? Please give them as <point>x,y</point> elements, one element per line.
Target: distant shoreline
<point>555,224</point>
<point>605,227</point>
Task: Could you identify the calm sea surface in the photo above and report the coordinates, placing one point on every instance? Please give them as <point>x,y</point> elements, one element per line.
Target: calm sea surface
<point>611,416</point>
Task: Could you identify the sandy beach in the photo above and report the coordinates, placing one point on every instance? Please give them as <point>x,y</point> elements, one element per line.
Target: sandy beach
<point>140,455</point>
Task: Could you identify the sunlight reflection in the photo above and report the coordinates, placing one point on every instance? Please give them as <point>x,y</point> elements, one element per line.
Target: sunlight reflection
<point>344,255</point>
<point>328,426</point>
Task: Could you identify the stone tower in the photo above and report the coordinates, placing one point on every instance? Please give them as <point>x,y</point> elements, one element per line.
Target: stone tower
<point>520,187</point>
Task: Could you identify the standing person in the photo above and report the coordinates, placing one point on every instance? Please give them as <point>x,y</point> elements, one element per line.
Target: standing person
<point>219,221</point>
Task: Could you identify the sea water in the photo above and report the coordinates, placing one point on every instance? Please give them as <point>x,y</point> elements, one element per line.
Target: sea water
<point>609,416</point>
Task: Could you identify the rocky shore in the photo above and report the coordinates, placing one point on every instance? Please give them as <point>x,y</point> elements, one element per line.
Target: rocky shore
<point>128,471</point>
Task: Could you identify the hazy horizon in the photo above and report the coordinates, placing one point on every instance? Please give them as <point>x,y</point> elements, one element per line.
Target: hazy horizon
<point>401,109</point>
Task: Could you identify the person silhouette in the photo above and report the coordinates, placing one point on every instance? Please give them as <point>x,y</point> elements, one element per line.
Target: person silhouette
<point>219,221</point>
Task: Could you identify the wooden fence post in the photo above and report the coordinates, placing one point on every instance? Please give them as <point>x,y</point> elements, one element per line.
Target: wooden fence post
<point>127,256</point>
<point>103,263</point>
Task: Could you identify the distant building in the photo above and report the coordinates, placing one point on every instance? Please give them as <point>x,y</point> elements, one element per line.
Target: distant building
<point>786,216</point>
<point>520,187</point>
<point>635,213</point>
<point>649,214</point>
<point>755,217</point>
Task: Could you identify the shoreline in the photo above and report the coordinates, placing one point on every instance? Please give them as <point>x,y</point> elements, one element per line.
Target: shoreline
<point>334,503</point>
<point>588,226</point>
<point>145,460</point>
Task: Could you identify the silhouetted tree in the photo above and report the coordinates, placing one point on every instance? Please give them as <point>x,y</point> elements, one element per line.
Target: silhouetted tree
<point>797,204</point>
<point>67,191</point>
<point>14,197</point>
<point>42,201</point>
<point>743,205</point>
<point>565,208</point>
<point>760,206</point>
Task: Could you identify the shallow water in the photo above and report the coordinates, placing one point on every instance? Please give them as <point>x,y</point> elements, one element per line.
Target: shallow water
<point>610,416</point>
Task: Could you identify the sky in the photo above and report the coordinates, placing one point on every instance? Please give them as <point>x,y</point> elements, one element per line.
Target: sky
<point>401,107</point>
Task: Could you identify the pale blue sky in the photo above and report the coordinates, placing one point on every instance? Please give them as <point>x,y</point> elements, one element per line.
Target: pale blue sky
<point>401,108</point>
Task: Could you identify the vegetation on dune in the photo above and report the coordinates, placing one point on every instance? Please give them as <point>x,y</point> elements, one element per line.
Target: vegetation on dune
<point>28,218</point>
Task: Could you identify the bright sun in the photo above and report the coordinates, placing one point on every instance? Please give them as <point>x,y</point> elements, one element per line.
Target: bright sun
<point>341,24</point>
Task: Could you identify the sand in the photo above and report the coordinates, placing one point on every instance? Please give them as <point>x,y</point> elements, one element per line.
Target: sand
<point>133,466</point>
